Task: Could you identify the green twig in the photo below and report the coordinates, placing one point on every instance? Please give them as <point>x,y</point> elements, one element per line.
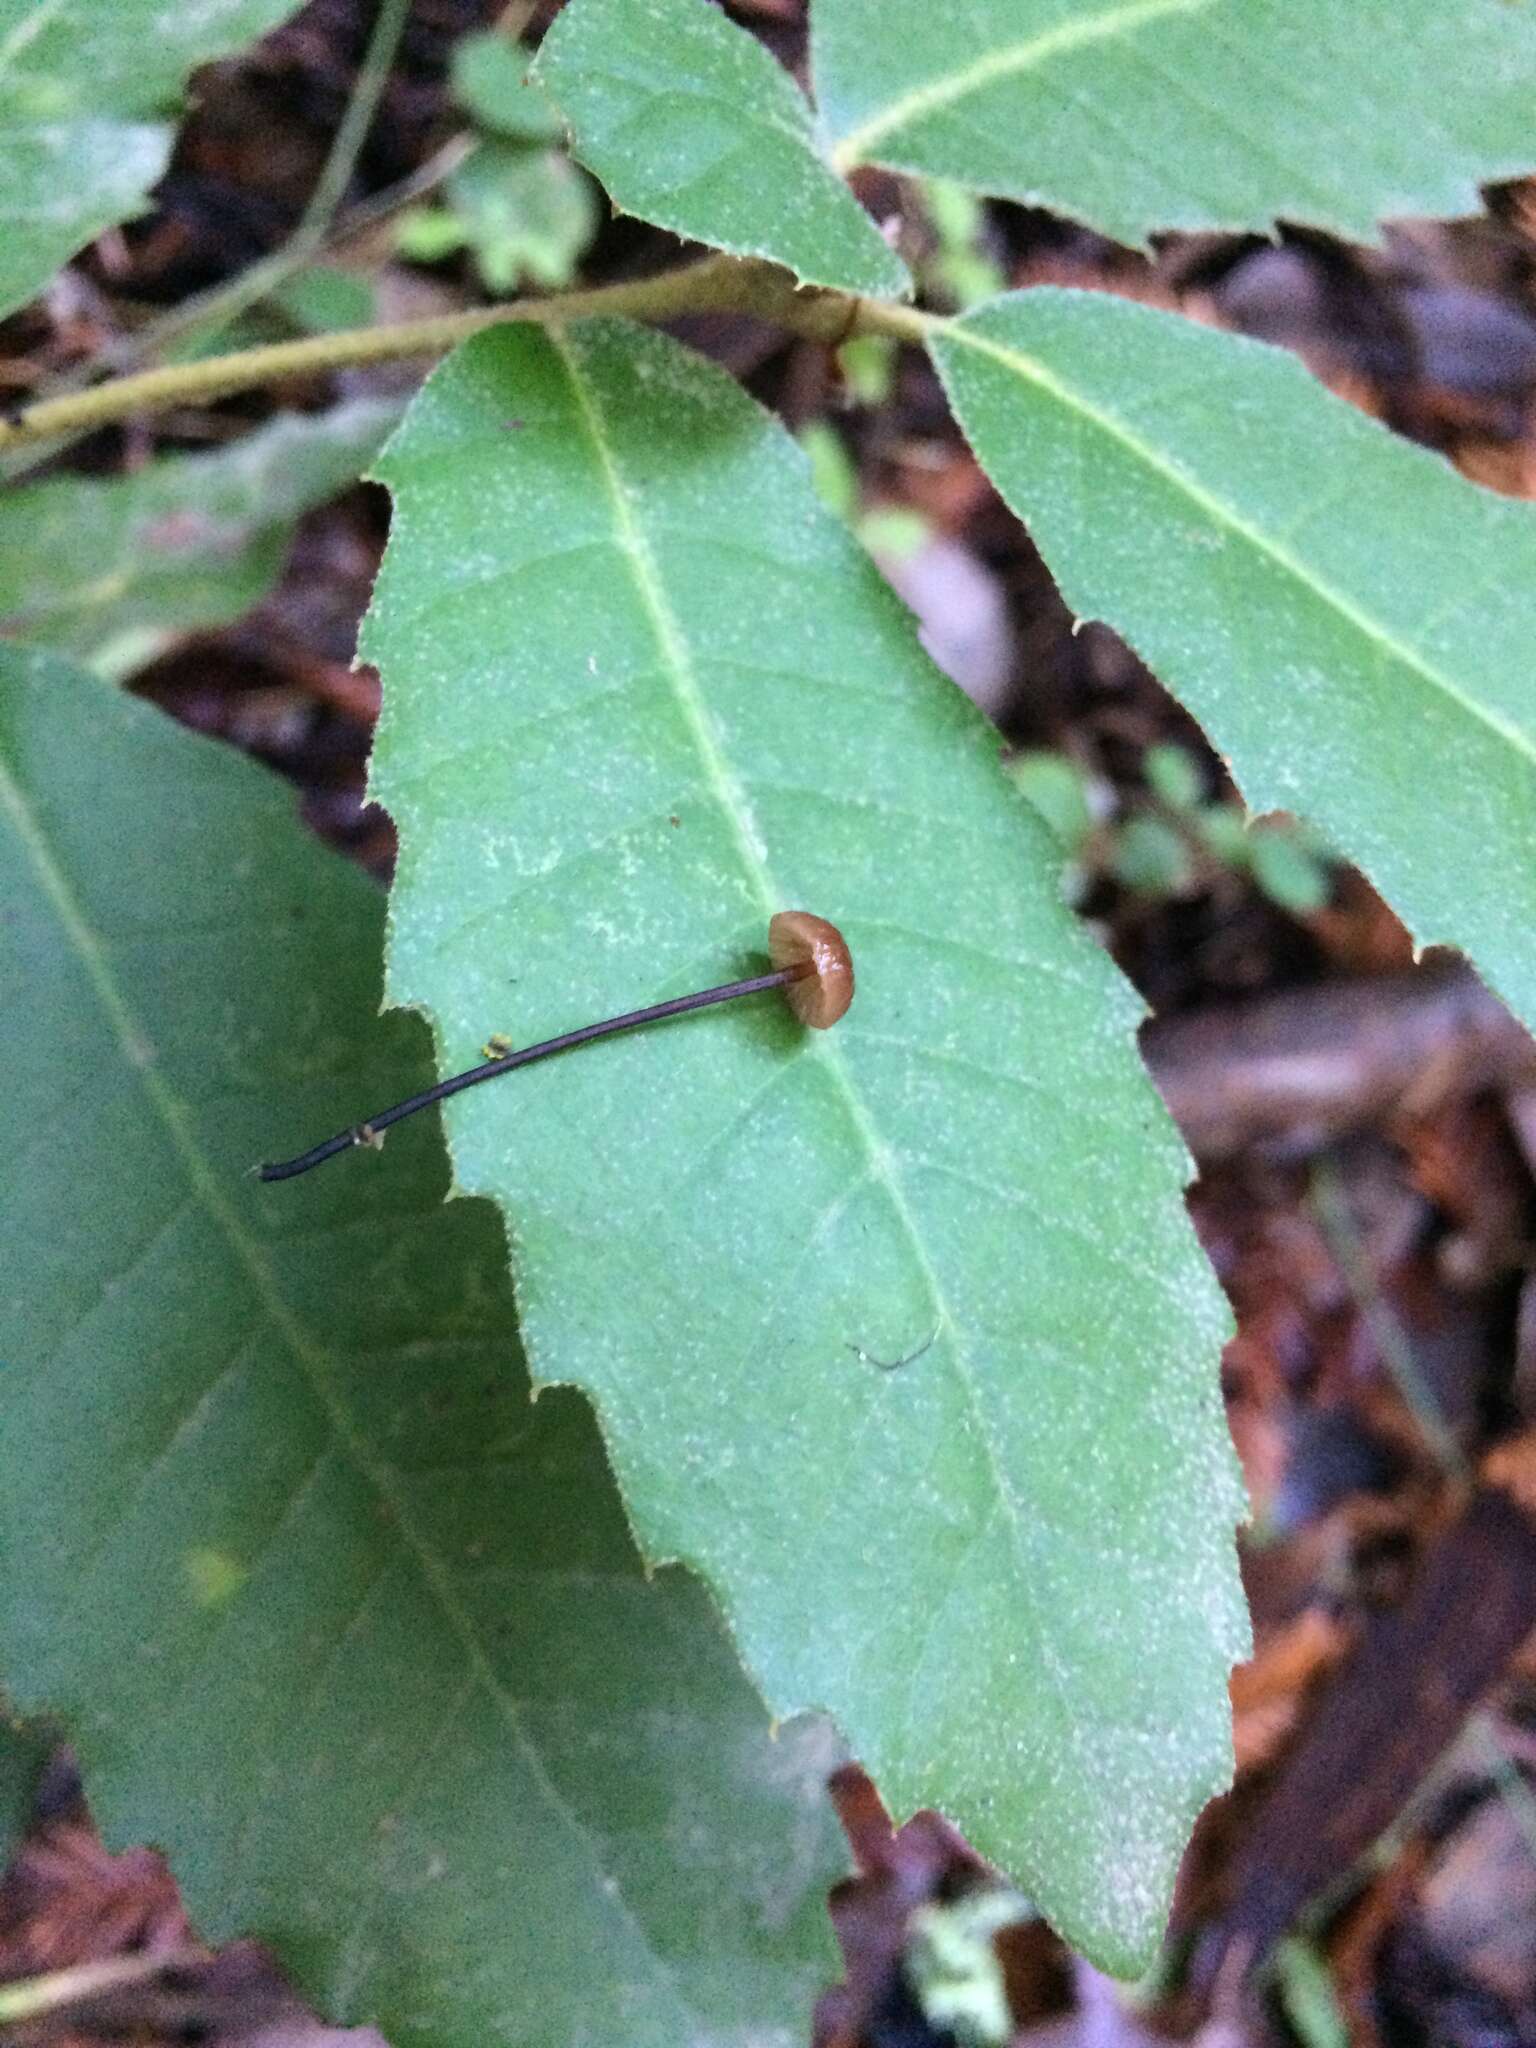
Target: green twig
<point>719,284</point>
<point>33,1997</point>
<point>367,91</point>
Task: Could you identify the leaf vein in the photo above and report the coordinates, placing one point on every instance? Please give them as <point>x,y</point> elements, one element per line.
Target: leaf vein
<point>1007,62</point>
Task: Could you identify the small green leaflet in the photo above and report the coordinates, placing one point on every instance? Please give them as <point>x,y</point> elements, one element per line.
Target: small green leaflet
<point>640,690</point>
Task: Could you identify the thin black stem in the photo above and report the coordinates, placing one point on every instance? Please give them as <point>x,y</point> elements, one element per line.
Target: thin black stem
<point>368,1133</point>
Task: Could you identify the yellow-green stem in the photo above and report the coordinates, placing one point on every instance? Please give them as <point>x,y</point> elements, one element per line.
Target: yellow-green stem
<point>719,284</point>
<point>32,1998</point>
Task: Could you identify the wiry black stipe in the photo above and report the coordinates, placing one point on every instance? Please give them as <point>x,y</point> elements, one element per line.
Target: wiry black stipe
<point>370,1130</point>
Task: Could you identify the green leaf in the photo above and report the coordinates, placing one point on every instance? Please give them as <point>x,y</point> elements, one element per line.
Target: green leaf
<point>1288,872</point>
<point>1173,774</point>
<point>1152,857</point>
<point>490,78</point>
<point>1058,789</point>
<point>1309,1996</point>
<point>832,469</point>
<point>959,272</point>
<point>428,234</point>
<point>1223,829</point>
<point>955,1970</point>
<point>867,365</point>
<point>897,1332</point>
<point>331,1613</point>
<point>1135,115</point>
<point>1349,620</point>
<point>689,122</point>
<point>323,299</point>
<point>80,83</point>
<point>526,213</point>
<point>111,570</point>
<point>892,533</point>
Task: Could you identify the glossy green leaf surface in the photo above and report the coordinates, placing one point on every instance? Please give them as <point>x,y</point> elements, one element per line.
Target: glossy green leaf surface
<point>691,123</point>
<point>1135,115</point>
<point>81,83</point>
<point>897,1332</point>
<point>330,1612</point>
<point>109,569</point>
<point>1350,621</point>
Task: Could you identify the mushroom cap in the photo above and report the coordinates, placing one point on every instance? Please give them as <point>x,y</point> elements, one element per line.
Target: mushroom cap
<point>798,938</point>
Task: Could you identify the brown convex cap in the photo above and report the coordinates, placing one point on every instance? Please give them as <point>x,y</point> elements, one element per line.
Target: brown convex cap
<point>798,938</point>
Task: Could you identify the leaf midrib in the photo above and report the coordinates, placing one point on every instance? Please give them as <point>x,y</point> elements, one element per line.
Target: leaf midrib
<point>310,1358</point>
<point>1008,62</point>
<point>1224,515</point>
